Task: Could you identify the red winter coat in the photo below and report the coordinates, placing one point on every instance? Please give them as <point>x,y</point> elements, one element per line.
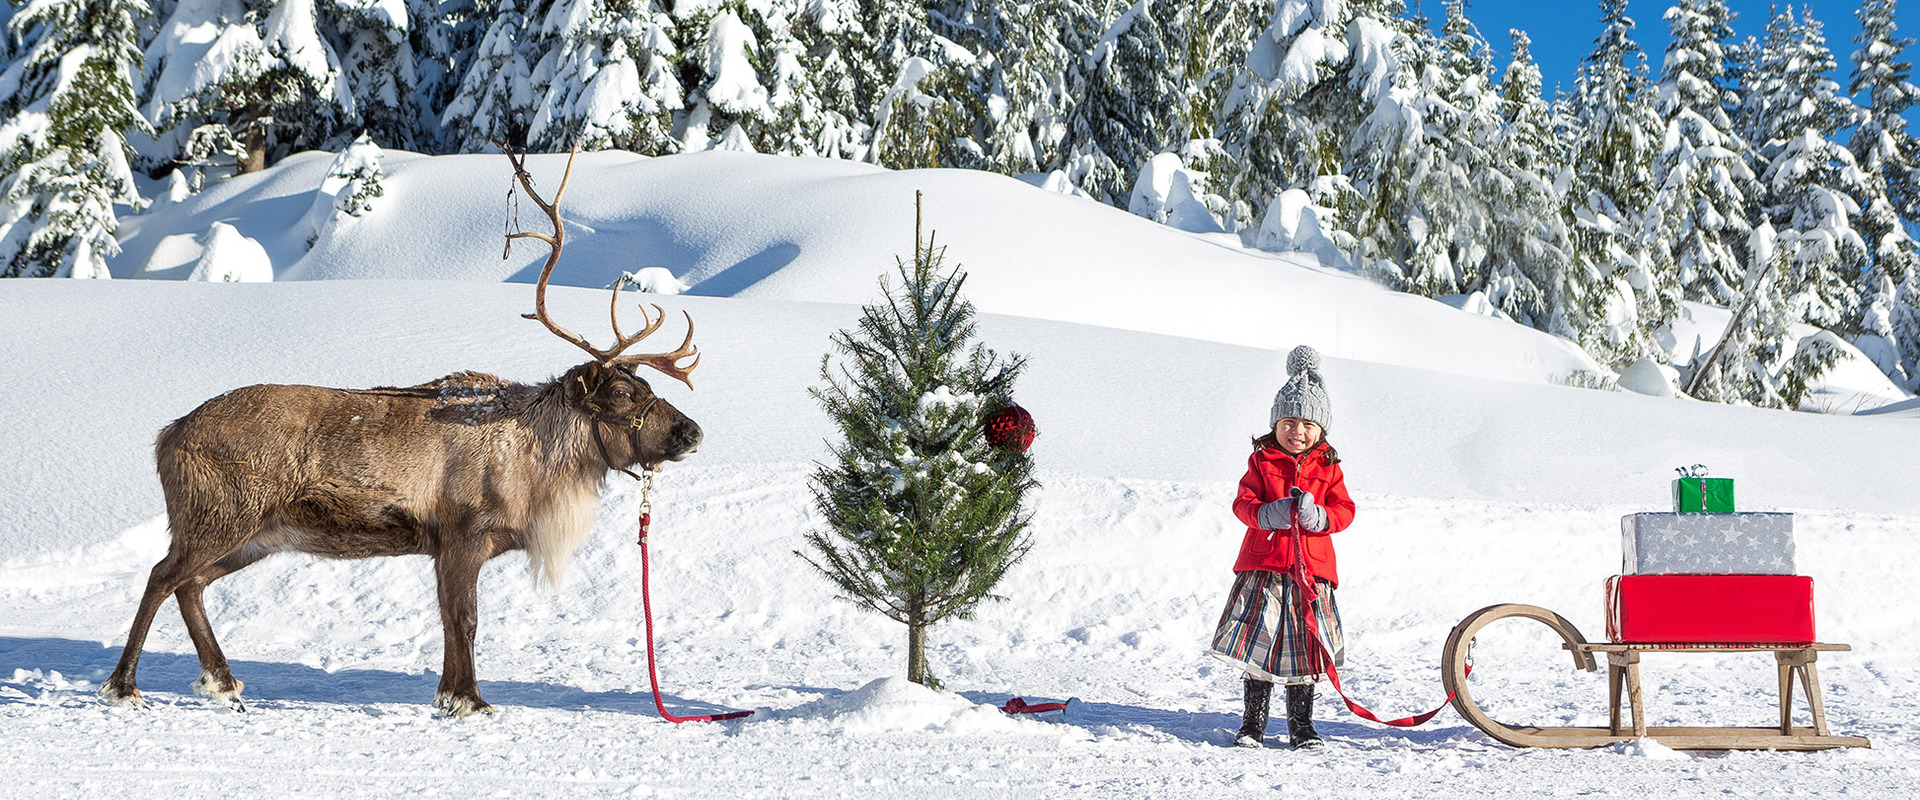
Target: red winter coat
<point>1271,474</point>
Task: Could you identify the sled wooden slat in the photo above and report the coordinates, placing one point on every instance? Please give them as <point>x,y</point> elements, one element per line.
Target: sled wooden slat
<point>1623,678</point>
<point>1683,738</point>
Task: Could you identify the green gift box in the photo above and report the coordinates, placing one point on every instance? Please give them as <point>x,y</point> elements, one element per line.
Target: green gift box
<point>1711,495</point>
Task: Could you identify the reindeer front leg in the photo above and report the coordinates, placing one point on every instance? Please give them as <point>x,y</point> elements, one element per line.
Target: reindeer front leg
<point>458,572</point>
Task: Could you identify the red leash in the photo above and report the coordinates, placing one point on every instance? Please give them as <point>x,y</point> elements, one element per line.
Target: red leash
<point>646,604</point>
<point>1019,705</point>
<point>1309,591</point>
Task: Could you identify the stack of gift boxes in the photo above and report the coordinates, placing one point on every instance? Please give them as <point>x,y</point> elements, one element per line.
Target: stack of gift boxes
<point>1706,574</point>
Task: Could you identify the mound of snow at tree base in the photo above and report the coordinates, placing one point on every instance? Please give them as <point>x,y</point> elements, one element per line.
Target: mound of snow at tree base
<point>1473,492</point>
<point>101,366</point>
<point>778,228</point>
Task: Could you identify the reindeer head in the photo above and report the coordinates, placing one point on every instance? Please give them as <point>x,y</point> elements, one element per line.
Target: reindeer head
<point>632,425</point>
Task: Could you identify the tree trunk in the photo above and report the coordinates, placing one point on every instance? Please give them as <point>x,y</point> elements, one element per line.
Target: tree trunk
<point>1699,372</point>
<point>917,652</point>
<point>256,158</point>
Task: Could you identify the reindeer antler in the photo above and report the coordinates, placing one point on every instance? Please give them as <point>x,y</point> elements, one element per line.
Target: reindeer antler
<point>667,363</point>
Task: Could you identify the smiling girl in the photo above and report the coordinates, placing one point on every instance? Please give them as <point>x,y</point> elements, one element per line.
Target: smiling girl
<point>1293,487</point>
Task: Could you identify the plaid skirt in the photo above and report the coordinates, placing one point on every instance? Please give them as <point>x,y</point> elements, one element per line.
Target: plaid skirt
<point>1261,632</point>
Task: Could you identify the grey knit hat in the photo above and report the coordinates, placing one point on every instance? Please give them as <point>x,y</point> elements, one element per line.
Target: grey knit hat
<point>1304,396</point>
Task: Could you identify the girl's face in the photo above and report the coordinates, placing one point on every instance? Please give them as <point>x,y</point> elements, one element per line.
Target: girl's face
<point>1296,435</point>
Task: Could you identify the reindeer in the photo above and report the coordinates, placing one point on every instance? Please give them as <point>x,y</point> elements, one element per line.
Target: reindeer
<point>460,469</point>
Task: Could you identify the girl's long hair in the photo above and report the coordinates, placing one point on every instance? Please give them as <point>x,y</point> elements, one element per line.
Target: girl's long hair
<point>1267,439</point>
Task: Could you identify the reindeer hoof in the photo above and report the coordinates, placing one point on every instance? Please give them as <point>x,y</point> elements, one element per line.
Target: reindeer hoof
<point>208,686</point>
<point>115,696</point>
<point>456,706</point>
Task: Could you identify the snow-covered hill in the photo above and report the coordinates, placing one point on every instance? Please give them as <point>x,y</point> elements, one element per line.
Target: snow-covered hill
<point>1478,482</point>
<point>766,227</point>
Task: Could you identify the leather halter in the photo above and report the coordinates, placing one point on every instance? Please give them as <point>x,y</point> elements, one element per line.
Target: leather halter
<point>637,422</point>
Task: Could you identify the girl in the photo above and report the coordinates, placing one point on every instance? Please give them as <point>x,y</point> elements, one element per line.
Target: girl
<point>1292,475</point>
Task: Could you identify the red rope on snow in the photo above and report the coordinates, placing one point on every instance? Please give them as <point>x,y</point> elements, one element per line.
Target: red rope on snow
<point>1019,705</point>
<point>1309,591</point>
<point>646,604</point>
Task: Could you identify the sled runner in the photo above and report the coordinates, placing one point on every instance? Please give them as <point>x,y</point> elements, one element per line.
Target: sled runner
<point>1623,671</point>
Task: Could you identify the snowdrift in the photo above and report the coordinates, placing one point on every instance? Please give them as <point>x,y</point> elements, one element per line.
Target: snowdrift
<point>821,230</point>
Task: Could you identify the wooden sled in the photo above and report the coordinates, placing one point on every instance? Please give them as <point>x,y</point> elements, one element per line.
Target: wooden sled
<point>1623,668</point>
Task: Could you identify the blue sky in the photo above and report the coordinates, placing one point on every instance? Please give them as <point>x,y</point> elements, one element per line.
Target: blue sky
<point>1563,30</point>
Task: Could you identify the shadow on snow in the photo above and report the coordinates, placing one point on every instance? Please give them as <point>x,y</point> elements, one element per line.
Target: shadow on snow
<point>270,682</point>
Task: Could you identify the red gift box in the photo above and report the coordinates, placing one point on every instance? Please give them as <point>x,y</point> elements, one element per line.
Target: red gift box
<point>1710,609</point>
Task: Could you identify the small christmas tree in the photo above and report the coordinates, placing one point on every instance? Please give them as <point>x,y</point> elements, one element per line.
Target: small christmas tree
<point>923,516</point>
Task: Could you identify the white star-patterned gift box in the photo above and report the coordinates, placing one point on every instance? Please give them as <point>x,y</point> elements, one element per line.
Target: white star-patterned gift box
<point>1744,543</point>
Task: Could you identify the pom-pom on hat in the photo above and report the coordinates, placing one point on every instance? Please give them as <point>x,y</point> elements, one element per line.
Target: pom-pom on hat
<point>1303,396</point>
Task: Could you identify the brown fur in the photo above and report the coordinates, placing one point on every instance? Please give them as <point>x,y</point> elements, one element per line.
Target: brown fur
<point>461,469</point>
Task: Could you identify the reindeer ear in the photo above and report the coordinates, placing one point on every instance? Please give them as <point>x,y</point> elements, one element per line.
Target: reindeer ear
<point>581,382</point>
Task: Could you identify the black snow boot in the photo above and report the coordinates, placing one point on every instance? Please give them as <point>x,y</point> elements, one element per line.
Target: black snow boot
<point>1300,717</point>
<point>1253,724</point>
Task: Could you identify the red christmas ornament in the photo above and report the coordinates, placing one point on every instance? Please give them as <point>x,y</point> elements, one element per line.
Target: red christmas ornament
<point>1011,428</point>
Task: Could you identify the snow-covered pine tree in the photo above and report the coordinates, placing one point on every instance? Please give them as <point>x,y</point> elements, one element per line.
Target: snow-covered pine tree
<point>832,116</point>
<point>1289,113</point>
<point>1621,301</point>
<point>1219,35</point>
<point>495,101</point>
<point>1811,185</point>
<point>200,47</point>
<point>921,516</point>
<point>604,76</point>
<point>908,77</point>
<point>1697,226</point>
<point>1041,73</point>
<point>1904,324</point>
<point>1455,163</point>
<point>348,191</point>
<point>1528,245</point>
<point>68,107</point>
<point>376,68</point>
<point>946,106</point>
<point>1012,97</point>
<point>299,100</point>
<point>728,106</point>
<point>259,75</point>
<point>1889,162</point>
<point>357,171</point>
<point>1888,318</point>
<point>1881,143</point>
<point>445,37</point>
<point>1030,72</point>
<point>1420,205</point>
<point>917,119</point>
<point>795,94</point>
<point>1758,361</point>
<point>1135,100</point>
<point>970,90</point>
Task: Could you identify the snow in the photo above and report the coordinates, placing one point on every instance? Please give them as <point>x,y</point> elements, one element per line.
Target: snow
<point>761,226</point>
<point>291,35</point>
<point>1164,192</point>
<point>229,257</point>
<point>1153,356</point>
<point>735,88</point>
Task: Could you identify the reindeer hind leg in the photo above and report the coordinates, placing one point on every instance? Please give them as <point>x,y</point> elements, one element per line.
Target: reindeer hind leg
<point>196,546</point>
<point>162,581</point>
<point>216,677</point>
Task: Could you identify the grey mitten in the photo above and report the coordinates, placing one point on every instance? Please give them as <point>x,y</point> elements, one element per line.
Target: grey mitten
<point>1277,515</point>
<point>1313,518</point>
